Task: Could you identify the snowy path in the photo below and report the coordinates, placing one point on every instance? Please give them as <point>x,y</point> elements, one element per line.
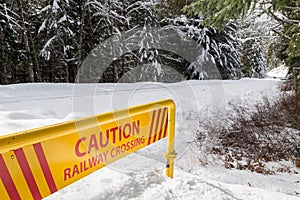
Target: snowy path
<point>153,184</point>
<point>31,105</point>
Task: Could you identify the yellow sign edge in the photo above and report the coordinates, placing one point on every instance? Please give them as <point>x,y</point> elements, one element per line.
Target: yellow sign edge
<point>20,139</point>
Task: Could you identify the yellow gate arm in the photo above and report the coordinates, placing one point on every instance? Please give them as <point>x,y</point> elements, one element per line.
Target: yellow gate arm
<point>39,162</point>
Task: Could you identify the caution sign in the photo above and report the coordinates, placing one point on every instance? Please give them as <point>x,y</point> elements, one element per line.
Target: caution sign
<point>39,162</point>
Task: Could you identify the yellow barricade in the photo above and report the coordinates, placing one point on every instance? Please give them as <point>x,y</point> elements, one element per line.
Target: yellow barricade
<point>39,162</point>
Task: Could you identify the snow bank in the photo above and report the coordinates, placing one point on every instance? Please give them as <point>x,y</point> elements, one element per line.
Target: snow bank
<point>141,175</point>
<point>279,72</point>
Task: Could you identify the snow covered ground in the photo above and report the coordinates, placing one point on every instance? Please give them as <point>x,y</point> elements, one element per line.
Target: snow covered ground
<point>279,72</point>
<point>141,175</point>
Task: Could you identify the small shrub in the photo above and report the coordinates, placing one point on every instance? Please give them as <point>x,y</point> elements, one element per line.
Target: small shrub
<point>246,139</point>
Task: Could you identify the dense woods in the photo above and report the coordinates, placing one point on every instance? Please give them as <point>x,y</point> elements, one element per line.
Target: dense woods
<point>47,40</point>
<point>285,14</point>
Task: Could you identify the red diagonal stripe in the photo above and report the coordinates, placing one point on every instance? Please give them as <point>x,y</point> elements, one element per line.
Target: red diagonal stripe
<point>151,126</point>
<point>157,123</point>
<point>166,125</point>
<point>7,181</point>
<point>28,174</point>
<point>45,167</point>
<point>162,123</point>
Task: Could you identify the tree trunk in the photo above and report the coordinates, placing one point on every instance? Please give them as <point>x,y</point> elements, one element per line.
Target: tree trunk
<point>296,74</point>
<point>52,70</point>
<point>80,45</point>
<point>5,74</point>
<point>3,64</point>
<point>123,42</point>
<point>36,60</point>
<point>26,42</point>
<point>66,70</point>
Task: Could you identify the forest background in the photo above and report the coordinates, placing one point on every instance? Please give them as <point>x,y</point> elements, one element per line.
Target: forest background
<point>47,41</point>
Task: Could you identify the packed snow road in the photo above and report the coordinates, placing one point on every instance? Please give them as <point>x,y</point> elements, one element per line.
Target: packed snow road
<point>141,175</point>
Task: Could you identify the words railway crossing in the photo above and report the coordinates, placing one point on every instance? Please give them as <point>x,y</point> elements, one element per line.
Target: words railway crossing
<point>39,162</point>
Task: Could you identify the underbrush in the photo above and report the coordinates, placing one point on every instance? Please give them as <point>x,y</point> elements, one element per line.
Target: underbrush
<point>249,139</point>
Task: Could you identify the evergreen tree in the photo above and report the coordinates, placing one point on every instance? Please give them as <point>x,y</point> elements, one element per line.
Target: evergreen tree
<point>253,58</point>
<point>218,13</point>
<point>256,38</point>
<point>9,40</point>
<point>290,51</point>
<point>18,42</point>
<point>59,32</point>
<point>131,14</point>
<point>221,45</point>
